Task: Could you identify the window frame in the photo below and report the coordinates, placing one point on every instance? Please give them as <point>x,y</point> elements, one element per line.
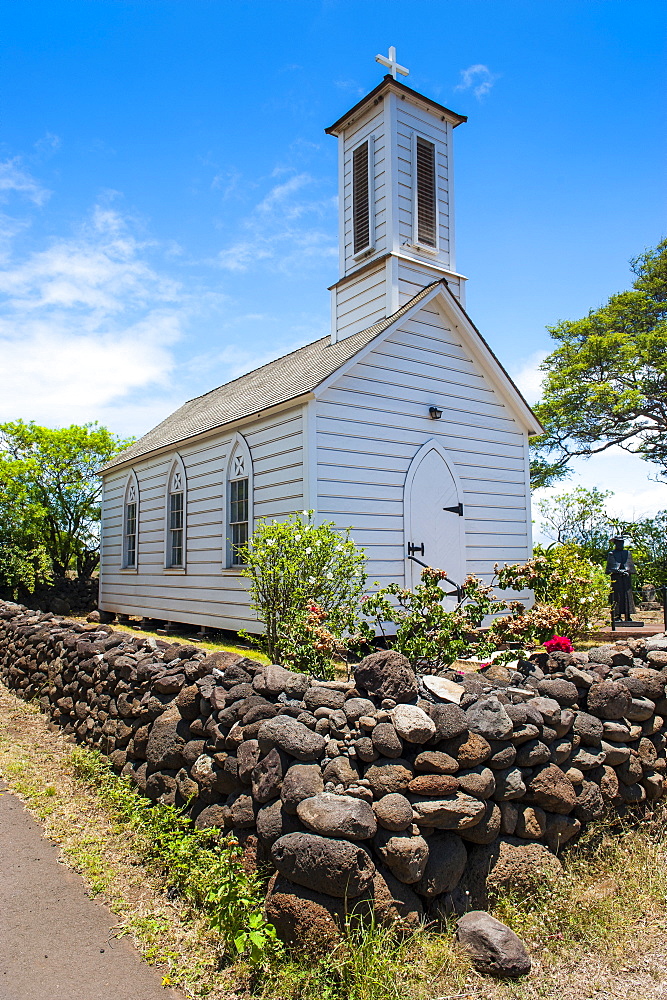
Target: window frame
<point>176,478</point>
<point>130,497</point>
<point>239,460</point>
<point>417,242</point>
<point>367,250</point>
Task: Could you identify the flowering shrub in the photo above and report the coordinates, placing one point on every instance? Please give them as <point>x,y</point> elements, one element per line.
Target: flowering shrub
<point>305,585</point>
<point>531,626</point>
<point>426,633</point>
<point>559,644</point>
<point>562,577</point>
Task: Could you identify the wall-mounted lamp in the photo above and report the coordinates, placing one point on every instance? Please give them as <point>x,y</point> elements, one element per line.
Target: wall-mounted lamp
<point>434,413</point>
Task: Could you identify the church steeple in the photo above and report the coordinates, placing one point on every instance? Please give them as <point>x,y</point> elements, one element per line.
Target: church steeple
<point>396,220</point>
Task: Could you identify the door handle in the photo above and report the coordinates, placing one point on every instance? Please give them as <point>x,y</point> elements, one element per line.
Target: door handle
<point>412,548</point>
<point>455,510</point>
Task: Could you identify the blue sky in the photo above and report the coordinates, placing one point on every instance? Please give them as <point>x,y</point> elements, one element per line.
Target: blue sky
<point>168,195</point>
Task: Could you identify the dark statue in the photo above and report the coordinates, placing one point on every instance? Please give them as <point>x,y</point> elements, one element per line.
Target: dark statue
<point>621,568</point>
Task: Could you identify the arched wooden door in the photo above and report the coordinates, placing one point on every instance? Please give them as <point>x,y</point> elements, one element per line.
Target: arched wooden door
<point>434,518</point>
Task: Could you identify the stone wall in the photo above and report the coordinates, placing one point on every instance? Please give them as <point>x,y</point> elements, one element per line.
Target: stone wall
<point>376,793</point>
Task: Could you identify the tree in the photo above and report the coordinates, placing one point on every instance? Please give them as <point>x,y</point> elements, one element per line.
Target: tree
<point>579,517</point>
<point>606,382</point>
<point>50,493</point>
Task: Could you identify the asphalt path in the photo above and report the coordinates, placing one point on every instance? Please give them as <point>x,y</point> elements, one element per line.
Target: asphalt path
<point>56,943</point>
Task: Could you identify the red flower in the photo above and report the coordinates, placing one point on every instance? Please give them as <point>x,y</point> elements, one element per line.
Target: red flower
<point>559,643</point>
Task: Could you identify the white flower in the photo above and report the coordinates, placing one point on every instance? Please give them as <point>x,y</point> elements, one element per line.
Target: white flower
<point>582,600</point>
<point>305,513</point>
<point>308,550</point>
<point>311,579</point>
<point>329,576</point>
<point>297,538</point>
<point>270,541</point>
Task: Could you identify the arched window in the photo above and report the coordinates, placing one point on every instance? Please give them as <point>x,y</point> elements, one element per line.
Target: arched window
<point>176,517</point>
<point>131,523</point>
<point>239,500</point>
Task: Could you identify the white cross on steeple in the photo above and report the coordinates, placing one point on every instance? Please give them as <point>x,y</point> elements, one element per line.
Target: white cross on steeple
<point>391,63</point>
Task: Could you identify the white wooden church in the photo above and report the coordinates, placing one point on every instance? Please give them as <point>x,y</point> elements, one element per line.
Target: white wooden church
<point>402,424</point>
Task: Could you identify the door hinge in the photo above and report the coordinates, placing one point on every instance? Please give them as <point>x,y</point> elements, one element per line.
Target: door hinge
<point>455,510</point>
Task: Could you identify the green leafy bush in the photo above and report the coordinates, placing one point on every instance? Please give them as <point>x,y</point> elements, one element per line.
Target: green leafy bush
<point>428,634</point>
<point>204,866</point>
<point>563,579</point>
<point>305,585</point>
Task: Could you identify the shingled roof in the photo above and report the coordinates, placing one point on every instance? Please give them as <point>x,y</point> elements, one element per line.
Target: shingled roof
<point>276,382</point>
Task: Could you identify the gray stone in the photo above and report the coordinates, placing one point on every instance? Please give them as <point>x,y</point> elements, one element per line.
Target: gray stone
<point>274,680</point>
<point>386,740</point>
<point>456,812</point>
<point>588,728</point>
<point>273,821</point>
<point>509,785</point>
<point>301,781</point>
<point>387,776</point>
<point>488,718</point>
<point>387,674</point>
<point>336,867</point>
<point>291,736</point>
<point>355,708</point>
<point>488,828</point>
<point>493,948</point>
<point>404,856</point>
<point>548,708</point>
<point>447,859</point>
<point>450,721</point>
<point>322,697</point>
<point>337,816</point>
<point>533,753</point>
<point>412,724</point>
<point>267,776</point>
<point>166,741</point>
<point>609,700</point>
<point>393,812</point>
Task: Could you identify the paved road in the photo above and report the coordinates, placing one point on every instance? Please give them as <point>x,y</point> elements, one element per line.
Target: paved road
<point>55,942</point>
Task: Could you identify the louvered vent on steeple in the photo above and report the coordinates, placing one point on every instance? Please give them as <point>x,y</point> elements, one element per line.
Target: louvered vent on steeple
<point>426,203</point>
<point>361,219</point>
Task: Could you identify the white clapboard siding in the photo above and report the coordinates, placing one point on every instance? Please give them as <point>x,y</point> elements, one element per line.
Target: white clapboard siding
<point>360,301</point>
<point>373,419</point>
<point>206,593</point>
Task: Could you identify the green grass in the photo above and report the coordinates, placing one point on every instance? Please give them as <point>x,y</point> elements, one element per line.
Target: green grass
<point>183,638</point>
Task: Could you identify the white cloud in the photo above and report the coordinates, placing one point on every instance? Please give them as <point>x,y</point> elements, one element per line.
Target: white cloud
<point>276,232</point>
<point>87,323</point>
<point>528,377</point>
<point>477,78</point>
<point>636,494</point>
<point>14,178</point>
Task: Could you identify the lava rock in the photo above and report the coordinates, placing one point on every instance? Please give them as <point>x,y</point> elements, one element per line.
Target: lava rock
<point>488,718</point>
<point>608,700</point>
<point>412,724</point>
<point>387,776</point>
<point>338,816</point>
<point>291,736</point>
<point>493,948</point>
<point>393,812</point>
<point>550,789</point>
<point>387,674</point>
<point>405,856</point>
<point>301,781</point>
<point>445,865</point>
<point>336,867</point>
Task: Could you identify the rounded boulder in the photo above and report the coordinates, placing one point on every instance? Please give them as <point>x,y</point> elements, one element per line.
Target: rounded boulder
<point>336,867</point>
<point>338,816</point>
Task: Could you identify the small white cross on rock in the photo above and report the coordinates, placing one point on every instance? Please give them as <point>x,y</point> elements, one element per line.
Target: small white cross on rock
<point>391,63</point>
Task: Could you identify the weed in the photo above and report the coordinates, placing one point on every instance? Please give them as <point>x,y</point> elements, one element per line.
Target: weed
<point>203,866</point>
